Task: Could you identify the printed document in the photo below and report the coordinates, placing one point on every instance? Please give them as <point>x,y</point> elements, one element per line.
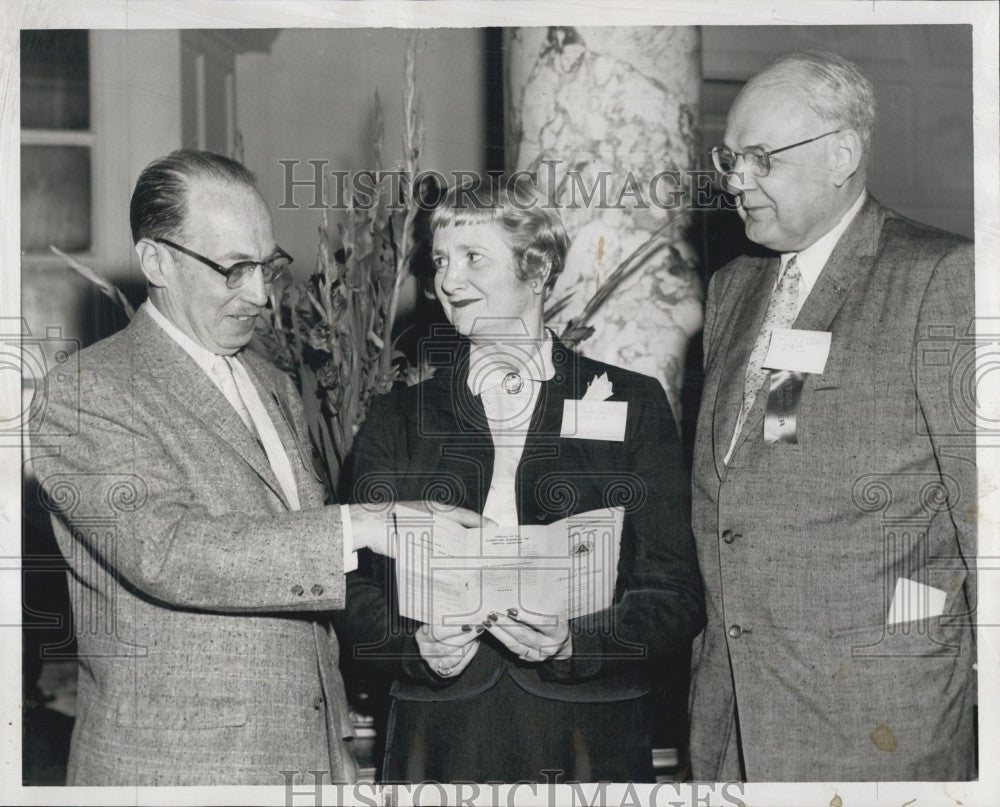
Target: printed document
<point>450,575</point>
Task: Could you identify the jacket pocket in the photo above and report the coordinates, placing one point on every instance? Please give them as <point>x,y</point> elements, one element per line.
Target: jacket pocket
<point>916,638</point>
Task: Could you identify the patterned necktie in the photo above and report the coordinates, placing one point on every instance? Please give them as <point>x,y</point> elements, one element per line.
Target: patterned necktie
<point>781,312</point>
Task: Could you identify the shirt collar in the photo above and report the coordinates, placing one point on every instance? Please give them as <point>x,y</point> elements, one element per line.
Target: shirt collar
<point>489,364</point>
<point>203,357</point>
<point>813,258</point>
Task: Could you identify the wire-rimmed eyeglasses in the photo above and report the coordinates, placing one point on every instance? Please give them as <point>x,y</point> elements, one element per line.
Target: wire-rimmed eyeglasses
<point>757,158</point>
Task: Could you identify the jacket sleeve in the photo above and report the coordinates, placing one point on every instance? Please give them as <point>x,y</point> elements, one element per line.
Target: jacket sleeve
<point>659,600</point>
<point>113,459</point>
<point>948,310</point>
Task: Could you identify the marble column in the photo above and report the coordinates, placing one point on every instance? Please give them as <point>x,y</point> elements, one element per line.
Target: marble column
<point>612,113</point>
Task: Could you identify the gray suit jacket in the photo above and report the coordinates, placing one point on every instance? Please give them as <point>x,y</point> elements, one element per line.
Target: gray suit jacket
<point>801,545</point>
<point>198,597</point>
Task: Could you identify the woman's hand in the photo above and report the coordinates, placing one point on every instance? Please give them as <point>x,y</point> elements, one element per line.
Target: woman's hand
<point>531,637</point>
<point>448,650</point>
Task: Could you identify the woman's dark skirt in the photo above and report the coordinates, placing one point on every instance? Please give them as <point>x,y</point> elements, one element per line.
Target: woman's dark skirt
<point>508,735</point>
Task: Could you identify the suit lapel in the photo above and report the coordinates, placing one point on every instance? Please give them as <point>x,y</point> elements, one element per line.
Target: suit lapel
<point>451,410</point>
<point>179,376</point>
<point>546,421</point>
<point>852,257</point>
<point>747,315</point>
<point>306,476</point>
<point>543,445</point>
<point>455,421</point>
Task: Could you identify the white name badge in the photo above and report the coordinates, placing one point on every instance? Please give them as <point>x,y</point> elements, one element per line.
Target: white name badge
<point>594,420</point>
<point>798,351</point>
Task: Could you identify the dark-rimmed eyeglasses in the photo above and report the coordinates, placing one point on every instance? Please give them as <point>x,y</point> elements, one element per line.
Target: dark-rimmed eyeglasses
<point>273,270</point>
<point>757,158</point>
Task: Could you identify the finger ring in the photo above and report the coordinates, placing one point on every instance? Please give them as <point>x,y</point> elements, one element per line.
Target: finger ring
<point>444,671</point>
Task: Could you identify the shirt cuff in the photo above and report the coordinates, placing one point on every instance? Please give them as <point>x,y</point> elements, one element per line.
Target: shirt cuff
<point>350,554</point>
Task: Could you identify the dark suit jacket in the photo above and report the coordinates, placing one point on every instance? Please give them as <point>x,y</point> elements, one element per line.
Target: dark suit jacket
<point>200,601</point>
<point>432,441</point>
<point>801,545</point>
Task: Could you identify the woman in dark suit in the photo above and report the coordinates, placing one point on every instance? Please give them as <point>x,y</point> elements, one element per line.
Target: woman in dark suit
<point>517,698</point>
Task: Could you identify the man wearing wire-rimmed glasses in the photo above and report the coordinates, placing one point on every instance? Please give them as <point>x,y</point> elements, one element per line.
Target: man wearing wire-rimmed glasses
<point>203,560</point>
<point>834,486</point>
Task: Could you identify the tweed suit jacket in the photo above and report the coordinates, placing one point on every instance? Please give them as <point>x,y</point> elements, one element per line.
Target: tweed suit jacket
<point>200,600</point>
<point>433,441</point>
<point>802,545</point>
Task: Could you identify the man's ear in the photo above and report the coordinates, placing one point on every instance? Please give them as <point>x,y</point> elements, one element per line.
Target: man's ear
<point>153,261</point>
<point>847,152</point>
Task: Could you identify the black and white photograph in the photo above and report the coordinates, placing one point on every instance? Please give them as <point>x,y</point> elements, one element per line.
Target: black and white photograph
<point>460,403</point>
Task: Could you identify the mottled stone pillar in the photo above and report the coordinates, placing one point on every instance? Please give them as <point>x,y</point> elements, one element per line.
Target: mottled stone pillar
<point>613,113</point>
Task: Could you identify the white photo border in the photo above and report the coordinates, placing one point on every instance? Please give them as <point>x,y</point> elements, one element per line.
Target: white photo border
<point>982,15</point>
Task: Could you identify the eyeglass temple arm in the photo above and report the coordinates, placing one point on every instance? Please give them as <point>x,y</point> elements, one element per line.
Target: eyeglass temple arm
<point>803,142</point>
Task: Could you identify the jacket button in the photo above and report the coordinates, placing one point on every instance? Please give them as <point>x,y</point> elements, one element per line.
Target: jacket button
<point>728,537</point>
<point>297,591</point>
<point>736,631</point>
<point>317,590</point>
<point>318,703</point>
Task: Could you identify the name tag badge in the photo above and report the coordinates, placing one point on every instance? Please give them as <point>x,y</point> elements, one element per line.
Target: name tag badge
<point>594,420</point>
<point>798,351</point>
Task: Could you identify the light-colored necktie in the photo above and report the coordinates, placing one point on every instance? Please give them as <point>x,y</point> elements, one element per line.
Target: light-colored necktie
<point>222,377</point>
<point>781,313</point>
<point>268,434</point>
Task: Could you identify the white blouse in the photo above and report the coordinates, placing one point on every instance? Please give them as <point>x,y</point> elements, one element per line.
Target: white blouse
<point>508,379</point>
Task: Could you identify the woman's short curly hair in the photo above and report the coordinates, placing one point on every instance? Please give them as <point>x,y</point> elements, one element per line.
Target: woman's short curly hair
<point>534,232</point>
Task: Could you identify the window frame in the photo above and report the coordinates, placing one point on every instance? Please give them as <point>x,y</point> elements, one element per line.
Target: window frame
<point>108,66</point>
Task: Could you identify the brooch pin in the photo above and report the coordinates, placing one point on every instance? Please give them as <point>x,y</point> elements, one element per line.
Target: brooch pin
<point>512,383</point>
